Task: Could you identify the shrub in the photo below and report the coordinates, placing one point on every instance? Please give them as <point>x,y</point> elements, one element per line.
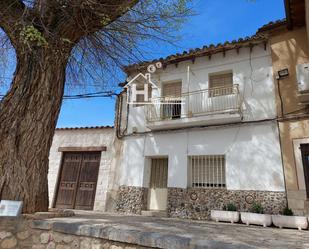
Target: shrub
<point>257,208</point>
<point>230,207</point>
<point>287,211</point>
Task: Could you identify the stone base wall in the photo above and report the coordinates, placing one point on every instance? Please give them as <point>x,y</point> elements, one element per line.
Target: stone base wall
<point>131,199</point>
<point>18,234</point>
<point>197,203</point>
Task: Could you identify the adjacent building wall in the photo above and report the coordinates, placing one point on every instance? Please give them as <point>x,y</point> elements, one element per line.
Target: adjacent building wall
<point>293,133</point>
<point>83,138</point>
<point>290,48</point>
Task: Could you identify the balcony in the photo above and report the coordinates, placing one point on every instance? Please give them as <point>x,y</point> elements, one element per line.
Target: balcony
<point>205,107</point>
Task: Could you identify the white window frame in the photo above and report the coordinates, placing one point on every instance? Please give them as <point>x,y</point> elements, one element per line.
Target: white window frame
<point>207,171</point>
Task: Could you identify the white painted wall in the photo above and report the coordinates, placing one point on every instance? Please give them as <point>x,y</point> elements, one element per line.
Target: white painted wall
<point>83,138</point>
<point>253,73</point>
<point>253,158</point>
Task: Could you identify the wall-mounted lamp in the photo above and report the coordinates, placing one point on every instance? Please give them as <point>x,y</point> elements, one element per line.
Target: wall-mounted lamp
<point>283,73</point>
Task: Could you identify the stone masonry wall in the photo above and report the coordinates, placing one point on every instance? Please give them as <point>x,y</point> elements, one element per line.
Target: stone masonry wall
<point>197,203</point>
<point>18,234</point>
<point>131,199</point>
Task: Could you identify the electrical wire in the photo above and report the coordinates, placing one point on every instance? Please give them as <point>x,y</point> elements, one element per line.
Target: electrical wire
<point>106,94</point>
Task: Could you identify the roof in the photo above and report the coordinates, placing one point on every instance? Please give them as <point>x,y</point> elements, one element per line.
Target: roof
<point>204,51</point>
<point>85,128</point>
<point>295,16</point>
<point>295,13</point>
<point>273,25</point>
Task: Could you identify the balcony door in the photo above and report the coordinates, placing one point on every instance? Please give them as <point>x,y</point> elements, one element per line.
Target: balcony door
<point>171,108</point>
<point>221,96</point>
<point>305,156</point>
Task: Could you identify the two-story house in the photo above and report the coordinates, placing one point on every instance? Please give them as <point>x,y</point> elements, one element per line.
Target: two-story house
<point>208,135</point>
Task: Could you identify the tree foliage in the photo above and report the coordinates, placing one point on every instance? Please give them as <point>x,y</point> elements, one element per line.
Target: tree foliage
<point>101,36</point>
<point>58,41</point>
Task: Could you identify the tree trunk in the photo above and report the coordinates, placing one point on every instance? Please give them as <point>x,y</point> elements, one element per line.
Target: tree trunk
<point>28,117</point>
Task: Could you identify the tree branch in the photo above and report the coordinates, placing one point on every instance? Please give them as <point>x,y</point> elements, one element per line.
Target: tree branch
<point>11,12</point>
<point>73,19</point>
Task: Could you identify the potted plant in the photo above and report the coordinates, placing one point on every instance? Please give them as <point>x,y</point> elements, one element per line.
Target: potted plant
<point>256,216</point>
<point>228,214</point>
<point>287,219</point>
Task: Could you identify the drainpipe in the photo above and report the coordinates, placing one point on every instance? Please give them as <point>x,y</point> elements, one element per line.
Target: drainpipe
<point>282,163</point>
<point>119,107</point>
<point>188,83</point>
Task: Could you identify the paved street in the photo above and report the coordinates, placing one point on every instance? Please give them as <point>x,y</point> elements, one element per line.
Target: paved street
<point>175,233</point>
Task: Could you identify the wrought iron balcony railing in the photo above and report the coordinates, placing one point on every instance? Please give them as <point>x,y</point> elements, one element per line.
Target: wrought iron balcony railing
<point>192,104</point>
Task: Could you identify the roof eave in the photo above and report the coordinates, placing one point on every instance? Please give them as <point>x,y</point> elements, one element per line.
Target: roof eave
<point>208,51</point>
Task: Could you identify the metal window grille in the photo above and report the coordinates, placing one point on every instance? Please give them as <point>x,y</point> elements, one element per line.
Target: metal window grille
<point>207,171</point>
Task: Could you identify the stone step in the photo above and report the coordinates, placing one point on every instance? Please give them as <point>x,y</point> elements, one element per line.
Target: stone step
<point>154,213</point>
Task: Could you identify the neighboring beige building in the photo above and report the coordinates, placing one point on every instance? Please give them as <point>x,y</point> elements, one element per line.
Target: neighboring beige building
<point>81,167</point>
<point>290,50</point>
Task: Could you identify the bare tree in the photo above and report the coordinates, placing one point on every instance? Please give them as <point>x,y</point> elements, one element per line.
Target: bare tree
<point>58,41</point>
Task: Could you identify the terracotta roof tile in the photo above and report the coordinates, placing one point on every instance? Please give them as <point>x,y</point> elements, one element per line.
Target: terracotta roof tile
<point>272,25</point>
<point>204,51</point>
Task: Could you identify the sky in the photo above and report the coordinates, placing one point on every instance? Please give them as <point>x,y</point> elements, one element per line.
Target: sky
<point>215,21</point>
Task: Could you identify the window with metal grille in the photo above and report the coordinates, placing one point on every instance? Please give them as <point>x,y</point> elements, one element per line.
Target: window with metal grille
<point>220,84</point>
<point>207,171</point>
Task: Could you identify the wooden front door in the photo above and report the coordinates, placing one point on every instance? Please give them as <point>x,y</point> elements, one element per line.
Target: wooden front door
<point>157,195</point>
<point>305,155</point>
<point>78,180</point>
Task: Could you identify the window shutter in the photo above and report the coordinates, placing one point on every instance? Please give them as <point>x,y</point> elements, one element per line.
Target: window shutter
<point>172,107</point>
<point>172,89</point>
<point>221,80</point>
<point>220,84</point>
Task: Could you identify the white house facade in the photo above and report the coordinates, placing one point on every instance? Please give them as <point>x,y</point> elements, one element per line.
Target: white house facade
<point>207,137</point>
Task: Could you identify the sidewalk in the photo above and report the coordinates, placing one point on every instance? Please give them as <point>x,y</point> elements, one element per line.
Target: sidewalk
<point>175,233</point>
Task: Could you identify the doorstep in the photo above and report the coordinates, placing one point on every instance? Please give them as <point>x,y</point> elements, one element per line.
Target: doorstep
<point>154,213</point>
